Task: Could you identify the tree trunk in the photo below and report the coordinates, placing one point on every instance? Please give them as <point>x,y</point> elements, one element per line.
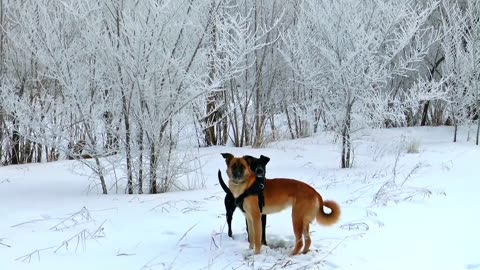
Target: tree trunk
<point>140,160</point>
<point>433,70</point>
<point>289,122</point>
<point>101,175</point>
<point>346,142</point>
<point>455,132</point>
<point>28,150</point>
<point>425,114</point>
<point>153,169</point>
<point>316,120</point>
<point>210,136</point>
<point>478,124</point>
<point>245,138</point>
<point>258,141</point>
<point>211,119</point>
<point>15,144</point>
<point>112,140</point>
<point>125,111</point>
<point>39,153</point>
<point>233,116</point>
<point>225,122</point>
<point>454,119</point>
<point>272,127</point>
<point>167,177</point>
<point>128,153</point>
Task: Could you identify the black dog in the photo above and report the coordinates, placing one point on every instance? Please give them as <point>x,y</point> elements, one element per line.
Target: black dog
<point>258,166</point>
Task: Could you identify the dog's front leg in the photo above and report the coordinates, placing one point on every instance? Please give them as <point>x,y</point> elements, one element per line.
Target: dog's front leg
<point>255,225</point>
<point>250,230</point>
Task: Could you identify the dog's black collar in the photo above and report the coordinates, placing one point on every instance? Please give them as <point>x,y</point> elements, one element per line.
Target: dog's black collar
<point>256,189</point>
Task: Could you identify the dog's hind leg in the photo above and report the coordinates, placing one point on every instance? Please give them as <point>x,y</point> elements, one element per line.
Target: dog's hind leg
<point>230,208</point>
<point>297,220</point>
<point>306,236</point>
<point>246,227</point>
<point>229,223</point>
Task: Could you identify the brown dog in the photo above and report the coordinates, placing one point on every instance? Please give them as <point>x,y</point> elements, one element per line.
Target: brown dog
<point>307,204</point>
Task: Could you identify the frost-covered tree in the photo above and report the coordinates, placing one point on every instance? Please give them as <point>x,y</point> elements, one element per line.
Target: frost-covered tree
<point>234,44</point>
<point>473,47</point>
<point>243,102</point>
<point>456,54</point>
<point>61,95</point>
<point>460,44</point>
<point>124,82</point>
<point>122,78</point>
<point>346,52</point>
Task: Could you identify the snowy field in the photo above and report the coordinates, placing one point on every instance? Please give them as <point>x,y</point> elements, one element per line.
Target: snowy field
<point>401,210</point>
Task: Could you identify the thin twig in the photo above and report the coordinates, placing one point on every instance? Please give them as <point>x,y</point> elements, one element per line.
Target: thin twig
<point>185,234</point>
<point>126,254</point>
<point>5,244</point>
<point>30,221</point>
<point>417,167</point>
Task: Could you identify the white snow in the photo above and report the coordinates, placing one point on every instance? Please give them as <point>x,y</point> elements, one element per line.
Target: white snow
<point>49,219</point>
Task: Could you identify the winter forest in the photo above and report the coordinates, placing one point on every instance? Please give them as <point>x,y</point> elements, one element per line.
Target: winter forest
<point>132,89</point>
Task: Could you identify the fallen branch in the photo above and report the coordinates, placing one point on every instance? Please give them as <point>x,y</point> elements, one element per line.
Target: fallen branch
<point>28,257</point>
<point>76,218</point>
<point>82,237</point>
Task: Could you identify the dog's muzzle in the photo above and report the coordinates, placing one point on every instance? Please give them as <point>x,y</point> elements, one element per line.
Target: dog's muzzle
<point>236,180</point>
<point>259,172</point>
<point>237,177</point>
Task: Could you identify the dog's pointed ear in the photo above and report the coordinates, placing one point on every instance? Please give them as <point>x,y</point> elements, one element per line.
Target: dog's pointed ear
<point>264,159</point>
<point>249,159</point>
<point>227,157</point>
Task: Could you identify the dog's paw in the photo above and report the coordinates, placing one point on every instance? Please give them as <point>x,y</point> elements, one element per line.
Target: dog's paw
<point>247,254</point>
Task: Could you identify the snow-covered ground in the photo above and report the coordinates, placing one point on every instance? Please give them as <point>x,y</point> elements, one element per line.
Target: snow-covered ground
<point>422,213</point>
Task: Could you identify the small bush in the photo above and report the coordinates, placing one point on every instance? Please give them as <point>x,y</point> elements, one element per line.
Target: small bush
<point>412,146</point>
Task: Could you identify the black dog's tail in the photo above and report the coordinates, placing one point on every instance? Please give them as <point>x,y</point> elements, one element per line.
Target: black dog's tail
<point>224,186</point>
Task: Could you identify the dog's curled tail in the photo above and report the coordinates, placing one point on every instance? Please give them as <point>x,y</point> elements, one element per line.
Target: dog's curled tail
<point>331,218</point>
<point>222,183</point>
